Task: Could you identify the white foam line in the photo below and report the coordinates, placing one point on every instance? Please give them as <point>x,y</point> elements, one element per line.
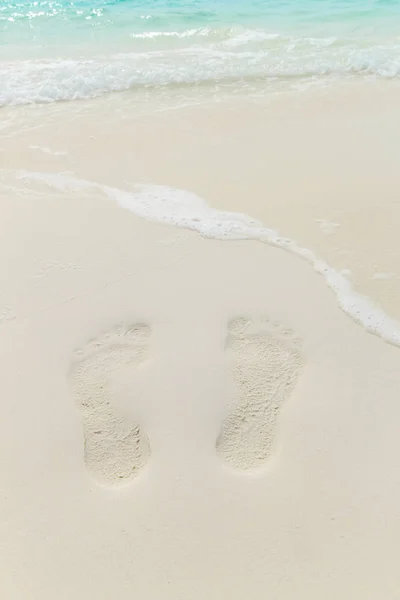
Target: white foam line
<point>186,210</point>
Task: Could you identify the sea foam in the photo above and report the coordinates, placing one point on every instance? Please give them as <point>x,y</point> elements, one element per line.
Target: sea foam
<point>186,210</point>
<point>244,59</point>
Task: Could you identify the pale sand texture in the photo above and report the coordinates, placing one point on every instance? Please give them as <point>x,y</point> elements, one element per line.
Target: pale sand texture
<point>264,366</point>
<point>295,162</point>
<point>115,446</point>
<point>321,519</point>
<point>190,418</point>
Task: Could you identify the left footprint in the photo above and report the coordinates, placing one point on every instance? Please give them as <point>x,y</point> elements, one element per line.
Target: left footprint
<point>115,446</point>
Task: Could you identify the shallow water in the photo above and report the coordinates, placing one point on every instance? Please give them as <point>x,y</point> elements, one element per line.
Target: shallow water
<point>68,50</point>
<point>170,54</point>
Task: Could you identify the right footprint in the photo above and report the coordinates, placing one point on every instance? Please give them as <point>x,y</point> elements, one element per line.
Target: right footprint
<point>264,362</point>
<point>115,446</point>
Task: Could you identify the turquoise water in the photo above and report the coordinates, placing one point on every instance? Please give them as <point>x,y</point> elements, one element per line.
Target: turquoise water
<point>66,50</point>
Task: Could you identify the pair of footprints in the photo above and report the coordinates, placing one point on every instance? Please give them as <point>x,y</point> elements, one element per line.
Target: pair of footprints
<point>264,362</point>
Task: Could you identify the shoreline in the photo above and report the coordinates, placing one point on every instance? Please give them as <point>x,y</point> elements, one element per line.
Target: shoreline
<point>181,209</point>
<point>184,417</point>
<point>318,167</point>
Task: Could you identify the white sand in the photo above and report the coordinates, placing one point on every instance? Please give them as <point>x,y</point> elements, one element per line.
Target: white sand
<point>185,417</point>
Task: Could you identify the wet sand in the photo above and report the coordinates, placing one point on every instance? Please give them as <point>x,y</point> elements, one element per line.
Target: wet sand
<point>191,417</point>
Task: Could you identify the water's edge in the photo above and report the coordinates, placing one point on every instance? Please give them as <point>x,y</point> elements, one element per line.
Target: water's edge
<point>185,210</point>
<point>53,51</point>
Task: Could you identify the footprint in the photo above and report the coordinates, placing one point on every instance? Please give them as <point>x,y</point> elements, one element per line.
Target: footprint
<point>115,446</point>
<point>265,362</point>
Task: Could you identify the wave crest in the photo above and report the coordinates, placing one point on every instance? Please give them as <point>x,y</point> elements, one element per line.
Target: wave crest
<point>228,56</point>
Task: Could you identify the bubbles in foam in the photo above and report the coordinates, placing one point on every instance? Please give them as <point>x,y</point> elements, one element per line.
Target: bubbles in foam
<point>243,58</point>
<point>186,210</point>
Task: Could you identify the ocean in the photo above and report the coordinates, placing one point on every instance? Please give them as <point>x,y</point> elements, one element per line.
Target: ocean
<point>77,76</point>
<point>66,50</point>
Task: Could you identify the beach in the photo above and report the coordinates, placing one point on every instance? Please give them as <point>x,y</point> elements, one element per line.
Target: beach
<point>200,342</point>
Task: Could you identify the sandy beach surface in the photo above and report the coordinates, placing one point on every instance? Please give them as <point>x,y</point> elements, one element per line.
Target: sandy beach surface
<point>183,416</point>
